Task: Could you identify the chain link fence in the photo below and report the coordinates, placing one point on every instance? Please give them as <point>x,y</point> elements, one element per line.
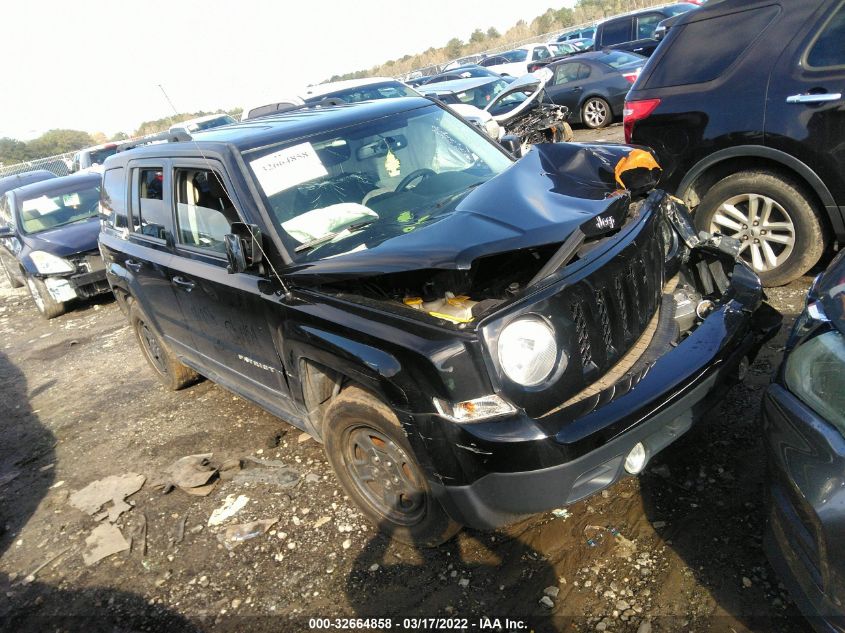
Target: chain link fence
<point>58,164</point>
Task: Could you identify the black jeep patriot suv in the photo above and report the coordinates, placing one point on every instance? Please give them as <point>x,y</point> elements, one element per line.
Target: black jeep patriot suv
<point>472,338</point>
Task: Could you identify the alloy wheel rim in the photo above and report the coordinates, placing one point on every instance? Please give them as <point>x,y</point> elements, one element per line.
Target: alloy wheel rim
<point>595,112</point>
<point>36,296</point>
<point>384,475</point>
<point>152,348</point>
<point>763,227</point>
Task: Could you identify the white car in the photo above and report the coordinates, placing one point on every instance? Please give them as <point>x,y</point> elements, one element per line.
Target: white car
<point>356,90</point>
<point>515,63</point>
<point>503,107</point>
<point>350,91</point>
<point>185,129</point>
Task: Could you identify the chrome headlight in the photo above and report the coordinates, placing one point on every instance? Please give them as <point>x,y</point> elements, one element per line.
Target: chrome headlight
<point>48,264</point>
<point>528,351</point>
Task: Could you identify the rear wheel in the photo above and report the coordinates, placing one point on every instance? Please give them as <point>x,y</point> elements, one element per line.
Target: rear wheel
<point>780,235</point>
<point>47,306</point>
<point>596,113</point>
<point>371,457</point>
<point>172,374</point>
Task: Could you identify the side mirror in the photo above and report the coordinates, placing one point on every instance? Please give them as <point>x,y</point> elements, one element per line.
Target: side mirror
<point>243,247</point>
<point>6,231</point>
<point>513,144</point>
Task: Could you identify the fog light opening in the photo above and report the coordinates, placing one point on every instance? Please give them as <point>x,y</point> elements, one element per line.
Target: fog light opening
<point>636,459</point>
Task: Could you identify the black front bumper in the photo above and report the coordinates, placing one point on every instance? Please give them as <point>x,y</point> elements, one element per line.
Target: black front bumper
<point>521,465</point>
<point>88,285</point>
<point>805,537</point>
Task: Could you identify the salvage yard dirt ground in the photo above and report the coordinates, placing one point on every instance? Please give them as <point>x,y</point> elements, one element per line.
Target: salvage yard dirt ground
<point>678,549</point>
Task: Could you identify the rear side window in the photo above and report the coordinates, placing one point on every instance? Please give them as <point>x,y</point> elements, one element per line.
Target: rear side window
<point>616,32</point>
<point>151,216</point>
<point>567,73</point>
<point>541,52</point>
<point>829,49</point>
<point>724,47</point>
<point>203,209</point>
<point>113,198</point>
<point>646,25</point>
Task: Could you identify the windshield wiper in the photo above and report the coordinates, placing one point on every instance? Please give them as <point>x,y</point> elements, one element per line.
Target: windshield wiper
<point>444,201</point>
<point>328,237</point>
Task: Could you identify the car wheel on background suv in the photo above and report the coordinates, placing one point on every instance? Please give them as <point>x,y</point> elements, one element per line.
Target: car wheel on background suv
<point>47,306</point>
<point>373,460</point>
<point>14,282</point>
<point>596,113</point>
<point>172,374</point>
<point>781,236</point>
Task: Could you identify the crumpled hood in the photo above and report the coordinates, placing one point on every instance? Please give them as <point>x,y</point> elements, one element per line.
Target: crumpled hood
<point>541,199</point>
<point>80,237</point>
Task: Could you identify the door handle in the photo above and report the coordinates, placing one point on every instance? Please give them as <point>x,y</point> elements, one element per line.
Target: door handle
<point>821,97</point>
<point>132,265</point>
<point>185,284</point>
<point>637,50</point>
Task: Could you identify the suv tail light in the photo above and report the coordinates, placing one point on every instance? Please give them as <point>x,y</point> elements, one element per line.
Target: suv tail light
<point>636,111</point>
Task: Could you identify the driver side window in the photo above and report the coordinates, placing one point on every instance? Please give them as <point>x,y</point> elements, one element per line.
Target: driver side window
<point>204,211</point>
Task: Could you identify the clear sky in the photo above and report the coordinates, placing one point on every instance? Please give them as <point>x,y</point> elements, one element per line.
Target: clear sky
<point>95,65</point>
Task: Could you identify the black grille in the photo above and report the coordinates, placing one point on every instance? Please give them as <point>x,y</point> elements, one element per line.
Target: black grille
<point>611,308</point>
<point>583,334</point>
<point>604,320</point>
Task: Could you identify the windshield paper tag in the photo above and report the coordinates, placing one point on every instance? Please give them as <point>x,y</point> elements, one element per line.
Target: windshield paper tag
<point>287,168</point>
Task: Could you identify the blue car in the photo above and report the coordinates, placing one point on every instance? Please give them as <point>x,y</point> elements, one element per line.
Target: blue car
<point>48,232</point>
<point>804,423</point>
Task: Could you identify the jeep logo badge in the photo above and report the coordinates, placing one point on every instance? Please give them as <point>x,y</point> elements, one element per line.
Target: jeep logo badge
<point>605,223</point>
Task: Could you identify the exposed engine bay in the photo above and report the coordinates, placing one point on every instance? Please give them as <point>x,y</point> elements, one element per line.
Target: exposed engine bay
<point>545,123</point>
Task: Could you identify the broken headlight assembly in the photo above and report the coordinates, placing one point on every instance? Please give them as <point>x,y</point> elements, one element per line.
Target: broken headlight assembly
<point>48,264</point>
<point>528,351</point>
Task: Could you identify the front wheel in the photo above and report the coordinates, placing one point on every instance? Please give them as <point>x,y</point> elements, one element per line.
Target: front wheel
<point>47,306</point>
<point>780,235</point>
<point>596,113</point>
<point>371,457</point>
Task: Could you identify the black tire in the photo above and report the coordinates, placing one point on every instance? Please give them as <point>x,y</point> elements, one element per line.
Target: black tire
<point>596,113</point>
<point>172,374</point>
<point>14,282</point>
<point>46,305</point>
<point>359,425</point>
<point>776,262</point>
